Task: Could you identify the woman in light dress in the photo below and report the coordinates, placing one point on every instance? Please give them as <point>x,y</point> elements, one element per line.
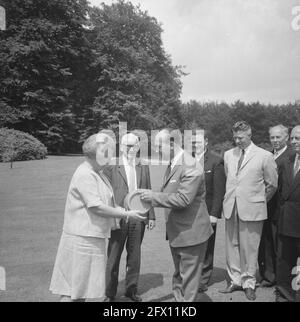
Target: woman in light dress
<point>90,214</point>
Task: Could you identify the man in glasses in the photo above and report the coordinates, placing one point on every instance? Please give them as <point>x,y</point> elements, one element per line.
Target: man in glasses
<point>128,175</point>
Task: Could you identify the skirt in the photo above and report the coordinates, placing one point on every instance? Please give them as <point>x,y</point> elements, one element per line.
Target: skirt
<point>79,269</point>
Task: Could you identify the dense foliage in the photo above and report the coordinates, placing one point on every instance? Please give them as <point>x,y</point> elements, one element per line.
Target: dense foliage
<point>19,146</point>
<point>68,70</point>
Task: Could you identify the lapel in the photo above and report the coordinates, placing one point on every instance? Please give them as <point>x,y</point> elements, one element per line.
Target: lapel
<point>138,170</point>
<point>172,172</point>
<point>122,172</point>
<point>249,156</point>
<point>293,182</point>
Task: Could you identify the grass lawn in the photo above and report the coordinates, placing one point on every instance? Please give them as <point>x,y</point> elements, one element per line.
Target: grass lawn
<point>32,198</point>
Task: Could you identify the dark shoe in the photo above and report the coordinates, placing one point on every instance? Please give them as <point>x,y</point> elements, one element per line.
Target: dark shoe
<point>109,299</point>
<point>231,288</point>
<point>134,297</point>
<point>202,289</point>
<point>250,294</point>
<point>265,283</point>
<point>279,297</point>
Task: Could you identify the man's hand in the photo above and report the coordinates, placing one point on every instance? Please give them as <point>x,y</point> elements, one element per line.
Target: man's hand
<point>147,196</point>
<point>213,220</point>
<point>150,224</point>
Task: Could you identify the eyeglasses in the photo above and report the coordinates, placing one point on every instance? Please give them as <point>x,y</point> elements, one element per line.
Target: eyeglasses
<point>134,147</point>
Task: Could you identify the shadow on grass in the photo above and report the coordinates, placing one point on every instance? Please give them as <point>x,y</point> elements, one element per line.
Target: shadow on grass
<point>219,275</point>
<point>146,282</point>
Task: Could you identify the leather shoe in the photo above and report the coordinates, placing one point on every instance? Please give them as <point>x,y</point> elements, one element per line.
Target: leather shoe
<point>265,283</point>
<point>109,299</point>
<point>202,289</point>
<point>250,294</point>
<point>134,297</point>
<point>231,288</point>
<point>279,297</point>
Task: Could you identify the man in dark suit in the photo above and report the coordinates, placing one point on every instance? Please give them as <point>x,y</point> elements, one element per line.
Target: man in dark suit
<point>215,181</point>
<point>267,255</point>
<point>125,177</point>
<point>187,219</point>
<point>289,223</point>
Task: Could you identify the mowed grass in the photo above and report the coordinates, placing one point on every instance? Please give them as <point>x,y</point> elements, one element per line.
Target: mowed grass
<point>32,199</point>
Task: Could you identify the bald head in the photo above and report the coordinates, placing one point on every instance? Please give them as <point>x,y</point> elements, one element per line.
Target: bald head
<point>295,139</point>
<point>129,146</point>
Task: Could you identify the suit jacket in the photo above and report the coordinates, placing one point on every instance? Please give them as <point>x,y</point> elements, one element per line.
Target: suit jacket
<point>183,192</point>
<point>289,199</point>
<point>252,186</point>
<point>215,181</point>
<point>117,176</point>
<point>273,204</point>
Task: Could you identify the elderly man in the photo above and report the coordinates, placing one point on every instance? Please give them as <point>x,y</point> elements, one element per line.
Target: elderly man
<point>251,182</point>
<point>279,136</point>
<point>289,224</point>
<point>187,219</point>
<point>215,189</point>
<point>125,177</point>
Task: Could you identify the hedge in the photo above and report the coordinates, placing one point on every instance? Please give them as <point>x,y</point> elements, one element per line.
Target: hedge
<point>20,146</point>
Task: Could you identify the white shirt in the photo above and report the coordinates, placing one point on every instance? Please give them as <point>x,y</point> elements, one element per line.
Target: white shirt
<point>128,169</point>
<point>278,153</point>
<point>247,150</point>
<point>199,156</point>
<point>297,159</point>
<point>176,158</point>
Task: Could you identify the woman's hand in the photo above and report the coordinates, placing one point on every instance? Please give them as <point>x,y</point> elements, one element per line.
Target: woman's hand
<point>134,214</point>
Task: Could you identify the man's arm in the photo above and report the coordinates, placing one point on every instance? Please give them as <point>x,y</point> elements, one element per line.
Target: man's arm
<point>270,176</point>
<point>151,213</point>
<point>219,182</point>
<point>185,194</point>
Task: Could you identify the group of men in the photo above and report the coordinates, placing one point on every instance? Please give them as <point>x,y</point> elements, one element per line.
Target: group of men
<point>257,191</point>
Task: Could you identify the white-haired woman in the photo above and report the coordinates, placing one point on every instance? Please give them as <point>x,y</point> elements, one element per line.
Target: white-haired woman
<point>90,214</point>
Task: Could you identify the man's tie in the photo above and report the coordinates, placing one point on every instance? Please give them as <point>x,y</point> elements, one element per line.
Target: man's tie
<point>241,160</point>
<point>131,177</point>
<point>296,165</point>
<point>168,171</point>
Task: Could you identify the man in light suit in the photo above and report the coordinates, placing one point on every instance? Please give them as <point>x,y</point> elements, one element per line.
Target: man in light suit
<point>251,182</point>
<point>279,136</point>
<point>288,261</point>
<point>128,175</point>
<point>187,219</point>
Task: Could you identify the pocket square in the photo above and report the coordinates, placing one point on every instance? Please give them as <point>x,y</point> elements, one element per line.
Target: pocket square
<point>172,181</point>
<point>208,171</point>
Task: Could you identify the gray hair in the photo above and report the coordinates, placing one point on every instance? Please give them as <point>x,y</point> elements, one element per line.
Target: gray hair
<point>283,128</point>
<point>89,147</point>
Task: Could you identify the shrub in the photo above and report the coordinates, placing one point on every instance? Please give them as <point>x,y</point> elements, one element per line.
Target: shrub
<point>19,146</point>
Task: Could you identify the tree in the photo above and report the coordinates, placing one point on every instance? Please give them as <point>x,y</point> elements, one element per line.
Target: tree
<point>136,82</point>
<point>44,57</point>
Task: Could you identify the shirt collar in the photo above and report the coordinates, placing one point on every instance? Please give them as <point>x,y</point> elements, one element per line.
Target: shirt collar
<point>248,148</point>
<point>126,163</point>
<point>176,158</point>
<point>279,152</point>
